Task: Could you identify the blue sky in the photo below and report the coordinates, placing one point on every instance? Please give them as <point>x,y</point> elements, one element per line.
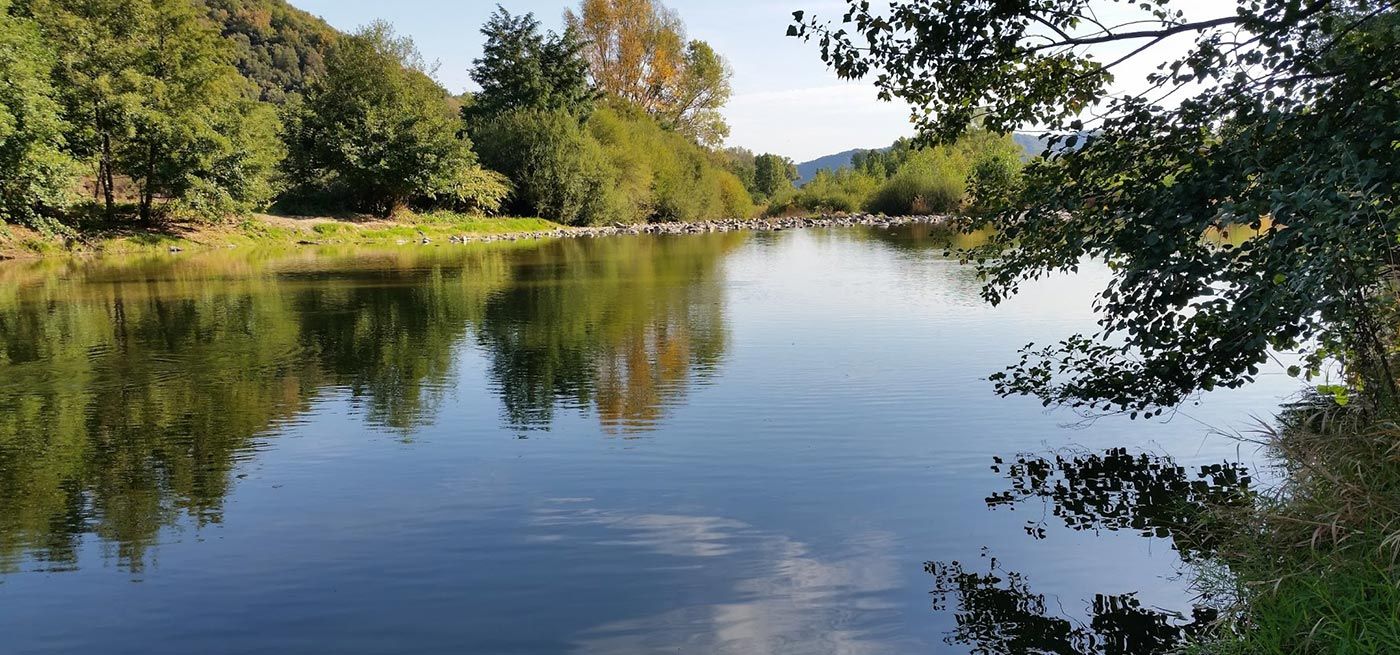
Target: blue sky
<point>785,100</point>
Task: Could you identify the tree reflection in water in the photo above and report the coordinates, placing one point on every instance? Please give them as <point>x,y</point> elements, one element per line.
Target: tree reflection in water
<point>996,611</point>
<point>1117,490</point>
<point>130,390</point>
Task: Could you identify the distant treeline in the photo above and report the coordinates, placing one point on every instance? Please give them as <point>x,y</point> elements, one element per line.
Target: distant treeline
<point>980,169</point>
<point>153,110</point>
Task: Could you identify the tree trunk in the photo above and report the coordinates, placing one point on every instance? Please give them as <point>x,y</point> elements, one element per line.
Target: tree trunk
<point>148,185</point>
<point>105,176</point>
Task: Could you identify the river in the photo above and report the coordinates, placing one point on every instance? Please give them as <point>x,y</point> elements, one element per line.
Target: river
<point>717,443</point>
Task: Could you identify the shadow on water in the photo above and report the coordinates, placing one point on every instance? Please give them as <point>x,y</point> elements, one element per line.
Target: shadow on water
<point>130,390</point>
<point>997,611</point>
<point>1116,490</point>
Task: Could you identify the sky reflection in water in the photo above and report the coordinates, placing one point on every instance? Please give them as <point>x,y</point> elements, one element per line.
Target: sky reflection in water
<point>716,443</point>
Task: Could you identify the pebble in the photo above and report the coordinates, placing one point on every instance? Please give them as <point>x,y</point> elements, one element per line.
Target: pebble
<point>701,227</point>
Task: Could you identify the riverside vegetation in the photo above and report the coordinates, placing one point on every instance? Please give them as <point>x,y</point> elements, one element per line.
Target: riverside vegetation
<point>1285,117</point>
<point>159,123</point>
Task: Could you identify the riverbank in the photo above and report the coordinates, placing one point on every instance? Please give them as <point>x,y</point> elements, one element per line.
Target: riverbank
<point>1312,564</point>
<point>416,229</point>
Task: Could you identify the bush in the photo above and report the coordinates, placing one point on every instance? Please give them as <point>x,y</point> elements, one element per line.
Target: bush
<point>662,175</point>
<point>994,183</point>
<point>843,191</point>
<point>558,170</point>
<point>473,190</point>
<point>932,181</point>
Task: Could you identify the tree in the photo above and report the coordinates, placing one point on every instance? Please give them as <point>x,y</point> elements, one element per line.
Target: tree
<point>520,68</point>
<point>773,174</point>
<point>192,109</point>
<point>35,172</point>
<point>558,170</point>
<point>149,93</point>
<point>377,127</point>
<point>637,51</point>
<point>1283,128</point>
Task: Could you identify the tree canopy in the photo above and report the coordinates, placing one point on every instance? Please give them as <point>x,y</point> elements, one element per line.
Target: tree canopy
<point>1279,123</point>
<point>637,51</point>
<point>522,68</point>
<point>37,170</point>
<point>378,128</point>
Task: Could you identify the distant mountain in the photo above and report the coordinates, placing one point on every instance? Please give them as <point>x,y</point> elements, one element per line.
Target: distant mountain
<point>1031,143</point>
<point>808,170</point>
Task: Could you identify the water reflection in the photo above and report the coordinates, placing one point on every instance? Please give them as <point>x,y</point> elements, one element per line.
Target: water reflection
<point>129,391</point>
<point>1117,490</point>
<point>997,612</point>
<point>624,330</point>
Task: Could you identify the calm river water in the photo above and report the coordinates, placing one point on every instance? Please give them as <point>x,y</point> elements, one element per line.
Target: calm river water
<point>730,443</point>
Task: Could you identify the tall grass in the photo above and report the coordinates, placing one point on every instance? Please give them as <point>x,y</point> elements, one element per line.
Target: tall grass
<point>1317,563</point>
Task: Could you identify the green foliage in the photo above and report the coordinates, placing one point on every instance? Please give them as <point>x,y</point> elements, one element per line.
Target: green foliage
<point>773,175</point>
<point>35,171</point>
<point>929,181</point>
<point>663,175</point>
<point>557,169</point>
<point>907,179</point>
<point>278,47</point>
<point>743,164</point>
<point>995,183</point>
<point>520,68</point>
<point>150,96</point>
<point>1289,127</point>
<point>474,190</point>
<point>378,129</point>
<point>844,190</point>
<point>621,166</point>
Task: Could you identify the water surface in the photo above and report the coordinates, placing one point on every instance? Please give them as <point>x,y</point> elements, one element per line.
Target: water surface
<point>747,443</point>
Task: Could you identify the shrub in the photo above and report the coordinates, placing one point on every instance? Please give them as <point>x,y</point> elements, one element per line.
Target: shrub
<point>558,170</point>
<point>933,180</point>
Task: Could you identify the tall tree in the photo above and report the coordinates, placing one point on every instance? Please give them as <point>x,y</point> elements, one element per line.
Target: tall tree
<point>378,127</point>
<point>1284,131</point>
<point>35,172</point>
<point>521,68</point>
<point>637,51</point>
<point>150,95</point>
<point>773,174</point>
<point>97,44</point>
<point>193,103</point>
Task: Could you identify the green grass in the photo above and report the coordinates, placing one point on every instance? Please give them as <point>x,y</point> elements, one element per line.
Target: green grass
<point>254,231</point>
<point>1316,565</point>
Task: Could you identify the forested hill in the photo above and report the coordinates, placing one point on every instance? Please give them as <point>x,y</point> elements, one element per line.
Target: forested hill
<point>276,45</point>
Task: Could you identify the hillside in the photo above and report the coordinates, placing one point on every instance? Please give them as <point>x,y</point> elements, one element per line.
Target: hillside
<point>807,170</point>
<point>277,46</point>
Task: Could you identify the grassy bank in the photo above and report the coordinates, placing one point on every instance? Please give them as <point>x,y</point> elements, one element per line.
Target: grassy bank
<point>258,230</point>
<point>1314,565</point>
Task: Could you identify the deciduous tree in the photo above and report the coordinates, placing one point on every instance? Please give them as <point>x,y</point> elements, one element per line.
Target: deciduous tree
<point>35,171</point>
<point>773,174</point>
<point>637,51</point>
<point>378,127</point>
<point>1279,123</point>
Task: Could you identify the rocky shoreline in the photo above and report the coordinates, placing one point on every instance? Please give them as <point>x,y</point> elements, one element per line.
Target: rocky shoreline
<point>703,227</point>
